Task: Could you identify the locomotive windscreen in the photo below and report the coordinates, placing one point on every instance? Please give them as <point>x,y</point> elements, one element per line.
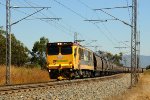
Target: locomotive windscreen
<point>66,50</point>
<point>53,50</point>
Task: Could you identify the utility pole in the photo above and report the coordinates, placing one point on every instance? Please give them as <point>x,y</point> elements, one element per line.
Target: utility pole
<point>134,35</point>
<point>135,40</point>
<point>8,35</point>
<point>8,42</point>
<point>75,37</point>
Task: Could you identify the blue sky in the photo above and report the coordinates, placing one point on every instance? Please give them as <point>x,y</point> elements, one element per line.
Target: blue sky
<point>108,34</point>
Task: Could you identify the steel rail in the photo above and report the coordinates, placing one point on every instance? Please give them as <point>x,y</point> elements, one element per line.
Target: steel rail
<point>51,84</point>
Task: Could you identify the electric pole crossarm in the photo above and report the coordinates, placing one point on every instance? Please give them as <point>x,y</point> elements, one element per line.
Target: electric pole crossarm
<point>115,7</point>
<point>50,18</point>
<point>28,7</point>
<point>27,16</point>
<point>114,17</point>
<point>97,20</point>
<point>121,47</point>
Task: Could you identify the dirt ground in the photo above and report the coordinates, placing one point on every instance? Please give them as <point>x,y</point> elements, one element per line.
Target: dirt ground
<point>140,92</point>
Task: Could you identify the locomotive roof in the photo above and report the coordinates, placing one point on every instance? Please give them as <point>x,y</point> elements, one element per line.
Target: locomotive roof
<point>63,43</point>
<point>68,43</point>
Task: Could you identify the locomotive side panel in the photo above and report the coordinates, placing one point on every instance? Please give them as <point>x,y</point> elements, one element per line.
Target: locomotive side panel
<point>85,59</point>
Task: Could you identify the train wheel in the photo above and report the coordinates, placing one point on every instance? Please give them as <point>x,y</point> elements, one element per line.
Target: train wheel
<point>72,75</point>
<point>53,74</point>
<point>80,74</point>
<point>92,74</point>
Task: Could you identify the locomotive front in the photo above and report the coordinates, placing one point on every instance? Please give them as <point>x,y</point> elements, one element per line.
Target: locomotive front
<point>59,58</point>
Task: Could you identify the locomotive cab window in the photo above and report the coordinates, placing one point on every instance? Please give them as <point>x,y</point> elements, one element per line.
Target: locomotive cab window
<point>66,50</point>
<point>53,50</point>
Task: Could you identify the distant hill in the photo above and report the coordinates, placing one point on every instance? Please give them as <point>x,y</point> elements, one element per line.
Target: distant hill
<point>145,60</point>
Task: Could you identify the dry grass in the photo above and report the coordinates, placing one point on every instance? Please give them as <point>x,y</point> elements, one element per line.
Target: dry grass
<point>2,75</point>
<point>21,75</point>
<point>139,92</point>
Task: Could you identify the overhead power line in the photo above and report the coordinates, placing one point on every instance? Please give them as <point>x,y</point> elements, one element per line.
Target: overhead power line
<point>84,19</point>
<point>129,11</point>
<point>70,9</point>
<point>96,21</point>
<point>27,16</point>
<point>47,19</point>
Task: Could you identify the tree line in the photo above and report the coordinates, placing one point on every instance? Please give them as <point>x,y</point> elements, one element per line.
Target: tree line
<point>147,67</point>
<point>19,53</point>
<point>22,56</point>
<point>113,58</point>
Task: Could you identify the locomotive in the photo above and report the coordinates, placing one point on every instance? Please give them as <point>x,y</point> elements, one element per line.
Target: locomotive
<point>69,60</point>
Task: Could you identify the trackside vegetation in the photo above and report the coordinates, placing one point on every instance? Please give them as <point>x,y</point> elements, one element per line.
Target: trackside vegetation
<point>148,67</point>
<point>21,55</point>
<point>22,75</point>
<point>19,52</point>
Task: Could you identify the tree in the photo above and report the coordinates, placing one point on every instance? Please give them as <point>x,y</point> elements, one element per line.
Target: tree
<point>116,59</point>
<point>2,47</point>
<point>39,52</point>
<point>19,53</point>
<point>109,56</point>
<point>147,67</point>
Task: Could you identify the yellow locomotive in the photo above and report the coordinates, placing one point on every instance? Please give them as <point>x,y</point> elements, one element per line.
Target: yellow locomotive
<point>69,60</point>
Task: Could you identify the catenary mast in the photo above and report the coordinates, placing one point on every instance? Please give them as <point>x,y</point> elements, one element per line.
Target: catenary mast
<point>8,42</point>
<point>134,45</point>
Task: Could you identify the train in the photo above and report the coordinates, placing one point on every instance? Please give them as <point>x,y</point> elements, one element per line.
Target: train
<point>69,60</point>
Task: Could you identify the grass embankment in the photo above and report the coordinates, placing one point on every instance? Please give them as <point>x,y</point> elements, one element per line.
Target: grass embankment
<point>21,75</point>
<point>140,92</point>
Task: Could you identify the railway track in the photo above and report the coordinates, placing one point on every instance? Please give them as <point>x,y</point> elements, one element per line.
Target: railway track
<point>51,84</point>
